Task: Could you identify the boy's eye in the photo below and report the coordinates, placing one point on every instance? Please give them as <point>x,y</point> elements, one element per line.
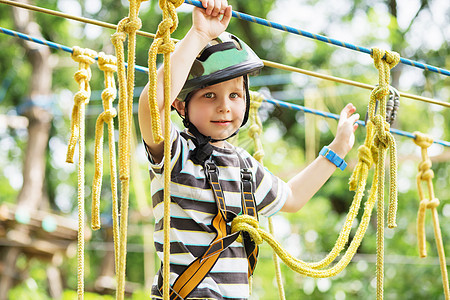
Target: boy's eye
<point>209,95</point>
<point>234,95</point>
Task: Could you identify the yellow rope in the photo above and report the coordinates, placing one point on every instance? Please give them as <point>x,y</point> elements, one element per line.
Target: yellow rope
<point>312,269</point>
<point>384,61</point>
<point>128,25</point>
<point>255,132</point>
<point>84,57</point>
<point>163,44</point>
<point>106,63</point>
<point>426,175</point>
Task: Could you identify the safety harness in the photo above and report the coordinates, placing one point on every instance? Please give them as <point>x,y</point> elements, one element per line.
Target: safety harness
<point>199,268</point>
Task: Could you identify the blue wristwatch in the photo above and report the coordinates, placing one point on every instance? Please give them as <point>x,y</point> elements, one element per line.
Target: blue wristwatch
<point>333,157</point>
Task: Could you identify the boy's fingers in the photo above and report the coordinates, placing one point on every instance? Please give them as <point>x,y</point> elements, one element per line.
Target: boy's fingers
<point>223,6</point>
<point>209,6</point>
<point>227,15</point>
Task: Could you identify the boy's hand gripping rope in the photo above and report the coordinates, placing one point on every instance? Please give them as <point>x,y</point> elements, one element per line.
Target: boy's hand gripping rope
<point>426,175</point>
<point>129,25</point>
<point>163,44</point>
<point>107,64</point>
<point>85,58</point>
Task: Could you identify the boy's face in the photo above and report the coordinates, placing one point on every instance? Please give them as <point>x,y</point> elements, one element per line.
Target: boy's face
<point>218,110</point>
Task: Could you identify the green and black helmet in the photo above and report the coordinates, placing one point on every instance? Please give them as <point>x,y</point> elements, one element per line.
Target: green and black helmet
<point>224,58</point>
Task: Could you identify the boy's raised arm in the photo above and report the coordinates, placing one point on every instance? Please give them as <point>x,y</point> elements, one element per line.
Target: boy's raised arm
<point>207,24</point>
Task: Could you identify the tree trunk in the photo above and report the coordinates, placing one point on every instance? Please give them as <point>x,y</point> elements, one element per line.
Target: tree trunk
<point>31,194</point>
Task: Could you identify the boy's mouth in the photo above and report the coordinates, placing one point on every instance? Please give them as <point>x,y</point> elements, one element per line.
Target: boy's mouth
<point>221,122</point>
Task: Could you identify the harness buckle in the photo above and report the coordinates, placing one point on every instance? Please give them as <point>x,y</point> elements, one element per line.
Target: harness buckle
<point>211,168</point>
<point>246,175</point>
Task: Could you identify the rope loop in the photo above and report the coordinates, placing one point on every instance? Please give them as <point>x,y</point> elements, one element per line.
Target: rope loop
<point>248,224</point>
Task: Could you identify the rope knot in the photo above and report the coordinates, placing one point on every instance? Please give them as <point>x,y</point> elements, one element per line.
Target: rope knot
<point>132,25</point>
<point>86,56</point>
<point>118,37</point>
<point>166,47</point>
<point>382,138</point>
<point>426,203</point>
<point>81,75</point>
<point>365,155</point>
<point>81,97</point>
<point>392,58</point>
<point>422,140</point>
<point>108,114</point>
<point>248,224</point>
<point>164,28</point>
<point>254,130</point>
<point>107,63</point>
<point>109,93</point>
<point>425,171</point>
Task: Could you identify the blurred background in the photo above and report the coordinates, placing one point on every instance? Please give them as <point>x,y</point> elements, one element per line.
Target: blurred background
<point>38,189</point>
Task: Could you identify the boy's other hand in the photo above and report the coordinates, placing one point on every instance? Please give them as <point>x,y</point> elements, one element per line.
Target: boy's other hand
<point>345,137</point>
<point>211,20</point>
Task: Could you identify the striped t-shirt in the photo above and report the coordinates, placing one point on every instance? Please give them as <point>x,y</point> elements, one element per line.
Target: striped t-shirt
<point>193,207</point>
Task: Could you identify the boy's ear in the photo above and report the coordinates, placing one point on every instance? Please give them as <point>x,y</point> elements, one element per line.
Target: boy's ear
<point>179,106</point>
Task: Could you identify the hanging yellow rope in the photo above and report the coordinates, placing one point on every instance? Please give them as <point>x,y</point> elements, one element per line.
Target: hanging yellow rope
<point>426,175</point>
<point>255,132</point>
<point>84,57</point>
<point>106,63</point>
<point>128,25</point>
<point>163,44</point>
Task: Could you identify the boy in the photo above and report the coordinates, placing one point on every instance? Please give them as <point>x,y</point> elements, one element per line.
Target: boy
<point>214,102</point>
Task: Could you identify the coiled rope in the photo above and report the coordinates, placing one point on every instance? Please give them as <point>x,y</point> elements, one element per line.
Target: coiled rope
<point>84,58</point>
<point>163,44</point>
<point>426,175</point>
<point>107,64</point>
<point>127,26</point>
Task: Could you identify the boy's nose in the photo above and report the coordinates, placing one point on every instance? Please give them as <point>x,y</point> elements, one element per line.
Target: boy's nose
<point>223,105</point>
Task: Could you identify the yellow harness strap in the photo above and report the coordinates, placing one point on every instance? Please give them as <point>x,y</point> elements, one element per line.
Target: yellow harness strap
<point>84,57</point>
<point>426,175</point>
